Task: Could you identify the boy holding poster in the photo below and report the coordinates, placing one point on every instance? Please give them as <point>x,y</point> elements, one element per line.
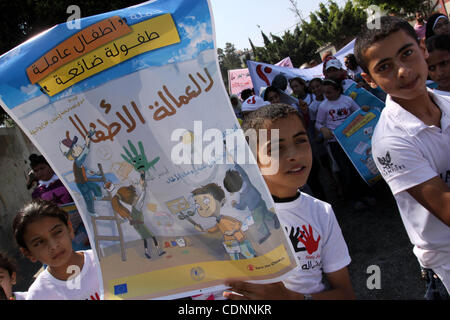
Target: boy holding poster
<point>411,141</point>
<point>314,231</point>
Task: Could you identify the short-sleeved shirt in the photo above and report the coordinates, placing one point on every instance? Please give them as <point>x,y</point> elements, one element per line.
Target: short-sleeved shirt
<point>408,152</point>
<point>317,240</point>
<point>84,286</point>
<point>332,114</point>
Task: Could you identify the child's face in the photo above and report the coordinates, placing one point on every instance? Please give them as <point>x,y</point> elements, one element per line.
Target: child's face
<point>206,205</point>
<point>316,88</point>
<point>397,64</point>
<point>273,97</point>
<point>49,241</point>
<point>331,93</point>
<point>439,67</point>
<point>43,172</point>
<point>298,88</point>
<point>7,281</point>
<point>294,158</point>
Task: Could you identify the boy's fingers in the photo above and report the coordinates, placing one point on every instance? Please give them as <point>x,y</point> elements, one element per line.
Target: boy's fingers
<point>233,296</point>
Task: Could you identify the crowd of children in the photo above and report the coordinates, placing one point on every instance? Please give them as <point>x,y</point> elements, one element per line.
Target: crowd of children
<point>411,148</point>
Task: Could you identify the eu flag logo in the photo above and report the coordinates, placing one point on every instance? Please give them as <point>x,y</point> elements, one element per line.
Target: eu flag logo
<point>120,289</point>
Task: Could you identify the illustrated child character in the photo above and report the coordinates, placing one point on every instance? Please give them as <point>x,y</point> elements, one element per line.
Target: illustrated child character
<point>208,200</point>
<point>78,154</point>
<point>238,181</point>
<point>136,200</point>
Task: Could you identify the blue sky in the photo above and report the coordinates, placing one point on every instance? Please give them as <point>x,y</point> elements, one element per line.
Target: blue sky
<point>237,20</point>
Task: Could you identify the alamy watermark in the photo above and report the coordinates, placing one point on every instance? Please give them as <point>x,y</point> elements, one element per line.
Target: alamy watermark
<point>214,146</point>
<point>374,14</point>
<point>73,22</point>
<point>374,280</point>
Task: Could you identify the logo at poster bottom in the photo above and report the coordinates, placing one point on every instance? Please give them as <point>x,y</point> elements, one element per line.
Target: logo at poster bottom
<point>197,274</point>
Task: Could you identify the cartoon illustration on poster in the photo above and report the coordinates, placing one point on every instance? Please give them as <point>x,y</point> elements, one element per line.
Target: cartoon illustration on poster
<point>131,112</point>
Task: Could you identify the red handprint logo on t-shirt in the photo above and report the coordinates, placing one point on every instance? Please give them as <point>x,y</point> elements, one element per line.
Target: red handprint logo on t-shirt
<point>307,238</point>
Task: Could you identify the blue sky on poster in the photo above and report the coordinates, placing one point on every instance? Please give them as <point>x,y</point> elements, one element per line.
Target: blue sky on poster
<point>238,20</point>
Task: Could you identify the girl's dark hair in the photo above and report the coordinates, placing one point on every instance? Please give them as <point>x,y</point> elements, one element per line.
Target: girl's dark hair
<point>303,82</point>
<point>352,59</point>
<point>268,90</point>
<point>438,42</point>
<point>316,79</point>
<point>335,84</point>
<point>36,159</point>
<point>33,211</point>
<point>7,263</point>
<point>429,32</point>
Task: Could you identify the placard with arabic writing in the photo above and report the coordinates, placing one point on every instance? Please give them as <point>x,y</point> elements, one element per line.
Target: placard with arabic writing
<point>131,112</point>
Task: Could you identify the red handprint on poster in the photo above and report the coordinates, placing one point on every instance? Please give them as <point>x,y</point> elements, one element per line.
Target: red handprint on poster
<point>307,238</point>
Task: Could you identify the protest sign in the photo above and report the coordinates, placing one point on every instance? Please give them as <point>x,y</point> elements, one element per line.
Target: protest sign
<point>355,137</point>
<point>132,114</point>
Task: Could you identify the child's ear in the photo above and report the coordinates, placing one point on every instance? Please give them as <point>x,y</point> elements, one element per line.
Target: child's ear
<point>26,253</point>
<point>70,227</point>
<point>369,80</point>
<point>424,49</point>
<point>13,278</point>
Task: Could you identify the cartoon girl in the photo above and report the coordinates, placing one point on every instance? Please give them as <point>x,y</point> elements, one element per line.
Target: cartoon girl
<point>129,196</point>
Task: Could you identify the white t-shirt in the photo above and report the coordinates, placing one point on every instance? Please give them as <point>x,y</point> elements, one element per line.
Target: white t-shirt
<point>84,286</point>
<point>20,295</point>
<point>353,73</point>
<point>408,152</point>
<point>332,114</point>
<point>441,93</point>
<point>322,249</point>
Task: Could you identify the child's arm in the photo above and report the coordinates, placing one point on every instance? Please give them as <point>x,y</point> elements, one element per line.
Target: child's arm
<point>434,195</point>
<point>341,289</point>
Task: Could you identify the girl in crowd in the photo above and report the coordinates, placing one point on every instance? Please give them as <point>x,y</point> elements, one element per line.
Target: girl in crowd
<point>331,114</point>
<point>438,47</point>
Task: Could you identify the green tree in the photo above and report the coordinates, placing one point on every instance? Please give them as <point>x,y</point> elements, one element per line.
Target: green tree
<point>296,45</point>
<point>229,59</point>
<point>335,25</point>
<point>399,6</point>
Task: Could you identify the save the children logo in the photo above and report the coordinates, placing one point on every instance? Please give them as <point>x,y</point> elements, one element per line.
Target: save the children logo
<point>388,166</point>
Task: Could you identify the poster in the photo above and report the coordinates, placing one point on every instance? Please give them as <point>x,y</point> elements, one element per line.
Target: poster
<point>355,138</point>
<point>131,112</point>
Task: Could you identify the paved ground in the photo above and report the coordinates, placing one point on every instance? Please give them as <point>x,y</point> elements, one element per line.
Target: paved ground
<point>377,237</point>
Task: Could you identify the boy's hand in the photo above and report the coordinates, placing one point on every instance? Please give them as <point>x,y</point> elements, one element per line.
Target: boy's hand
<point>327,133</point>
<point>303,105</point>
<point>233,203</point>
<point>252,291</point>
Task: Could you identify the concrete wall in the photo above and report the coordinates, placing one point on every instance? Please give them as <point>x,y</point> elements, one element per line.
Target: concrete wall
<point>15,149</point>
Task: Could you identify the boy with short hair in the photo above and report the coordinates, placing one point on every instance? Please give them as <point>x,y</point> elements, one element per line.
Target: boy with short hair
<point>411,140</point>
<point>44,233</point>
<point>312,226</point>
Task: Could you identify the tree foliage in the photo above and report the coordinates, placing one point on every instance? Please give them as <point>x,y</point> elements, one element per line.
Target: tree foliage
<point>229,59</point>
<point>330,24</point>
<point>335,25</point>
<point>398,6</point>
<point>297,45</point>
